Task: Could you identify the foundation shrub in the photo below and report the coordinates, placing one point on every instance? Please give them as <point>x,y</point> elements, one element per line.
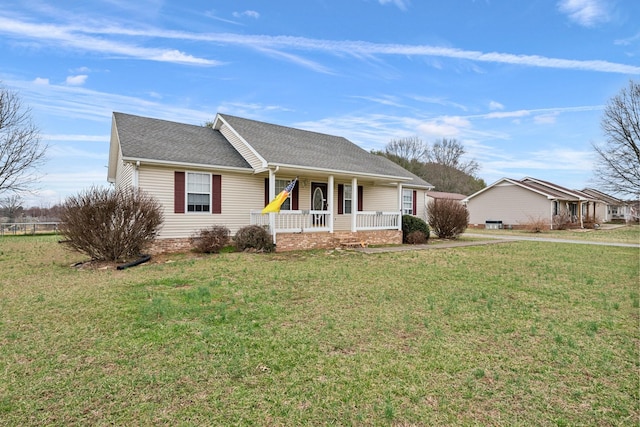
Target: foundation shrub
<point>254,237</point>
<point>211,240</point>
<point>561,221</point>
<point>416,238</point>
<point>411,224</point>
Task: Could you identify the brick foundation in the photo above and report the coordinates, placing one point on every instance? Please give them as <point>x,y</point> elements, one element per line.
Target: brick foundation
<point>160,246</point>
<point>300,241</point>
<point>296,241</point>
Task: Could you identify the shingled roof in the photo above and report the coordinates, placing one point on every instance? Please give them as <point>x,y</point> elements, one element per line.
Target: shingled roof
<point>286,146</point>
<point>143,138</point>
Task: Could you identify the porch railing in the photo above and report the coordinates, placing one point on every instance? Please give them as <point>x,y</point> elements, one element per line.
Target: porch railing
<point>315,221</point>
<point>367,220</point>
<point>305,221</point>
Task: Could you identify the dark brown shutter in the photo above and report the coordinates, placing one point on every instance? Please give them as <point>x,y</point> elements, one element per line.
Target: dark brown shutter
<point>178,192</point>
<point>294,197</point>
<point>266,191</point>
<point>340,199</point>
<point>415,202</point>
<point>216,194</point>
<point>360,197</point>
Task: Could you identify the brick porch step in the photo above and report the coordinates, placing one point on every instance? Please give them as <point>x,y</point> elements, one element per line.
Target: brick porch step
<point>352,243</point>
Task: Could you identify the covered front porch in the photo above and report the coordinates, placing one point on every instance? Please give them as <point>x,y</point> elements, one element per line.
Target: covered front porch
<point>338,206</point>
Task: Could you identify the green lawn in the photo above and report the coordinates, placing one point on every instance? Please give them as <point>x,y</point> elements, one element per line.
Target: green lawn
<point>515,334</point>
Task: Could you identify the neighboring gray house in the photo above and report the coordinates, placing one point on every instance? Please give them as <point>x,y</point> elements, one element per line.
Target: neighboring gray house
<point>515,203</point>
<point>226,174</point>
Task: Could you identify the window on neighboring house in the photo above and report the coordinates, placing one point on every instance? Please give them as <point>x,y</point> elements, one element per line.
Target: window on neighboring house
<point>556,208</point>
<point>347,198</point>
<point>281,184</point>
<point>407,202</point>
<point>198,192</point>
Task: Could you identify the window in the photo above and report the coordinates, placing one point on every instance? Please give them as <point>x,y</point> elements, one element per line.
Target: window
<point>407,202</point>
<point>556,207</point>
<point>281,184</point>
<point>347,198</point>
<point>198,192</point>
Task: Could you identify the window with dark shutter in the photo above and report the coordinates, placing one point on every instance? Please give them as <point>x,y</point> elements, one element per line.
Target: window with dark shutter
<point>216,194</point>
<point>178,192</point>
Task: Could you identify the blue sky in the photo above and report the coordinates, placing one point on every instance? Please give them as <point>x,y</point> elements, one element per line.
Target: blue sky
<point>520,83</point>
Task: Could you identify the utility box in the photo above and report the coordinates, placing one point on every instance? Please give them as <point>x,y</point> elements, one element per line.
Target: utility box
<point>493,225</point>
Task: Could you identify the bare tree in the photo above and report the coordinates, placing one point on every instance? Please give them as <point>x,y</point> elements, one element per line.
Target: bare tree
<point>410,148</point>
<point>21,150</point>
<point>441,164</point>
<point>617,167</point>
<point>11,207</point>
<point>449,152</point>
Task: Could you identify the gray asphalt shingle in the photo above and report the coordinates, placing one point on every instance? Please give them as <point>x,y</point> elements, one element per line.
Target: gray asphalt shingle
<point>148,138</point>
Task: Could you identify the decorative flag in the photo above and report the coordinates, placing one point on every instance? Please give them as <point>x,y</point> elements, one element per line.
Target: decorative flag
<point>274,205</point>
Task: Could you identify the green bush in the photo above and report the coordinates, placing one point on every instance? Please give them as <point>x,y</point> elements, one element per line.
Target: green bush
<point>254,237</point>
<point>211,240</point>
<point>410,224</point>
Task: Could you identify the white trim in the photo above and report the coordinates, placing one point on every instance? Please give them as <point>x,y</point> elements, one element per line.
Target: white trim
<point>350,173</point>
<point>354,204</point>
<point>216,126</point>
<point>173,164</point>
<point>330,185</point>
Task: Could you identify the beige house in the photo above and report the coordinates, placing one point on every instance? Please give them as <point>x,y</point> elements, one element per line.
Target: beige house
<point>511,203</point>
<point>225,175</point>
<point>608,207</point>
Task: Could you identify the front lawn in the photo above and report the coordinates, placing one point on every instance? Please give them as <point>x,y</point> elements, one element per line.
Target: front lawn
<point>516,334</point>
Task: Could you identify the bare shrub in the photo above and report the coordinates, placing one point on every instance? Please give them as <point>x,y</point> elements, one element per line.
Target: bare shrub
<point>110,225</point>
<point>211,240</point>
<point>416,238</point>
<point>561,221</point>
<point>448,218</point>
<point>254,237</point>
<point>535,224</point>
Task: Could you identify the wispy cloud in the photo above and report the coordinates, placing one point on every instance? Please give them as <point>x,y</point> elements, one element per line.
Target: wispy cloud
<point>77,37</point>
<point>587,13</point>
<point>401,4</point>
<point>248,13</point>
<point>84,38</point>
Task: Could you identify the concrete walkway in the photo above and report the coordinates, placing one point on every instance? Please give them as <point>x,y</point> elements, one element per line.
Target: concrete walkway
<point>491,239</point>
<point>404,248</point>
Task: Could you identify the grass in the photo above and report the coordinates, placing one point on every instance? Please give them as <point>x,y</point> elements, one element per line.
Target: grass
<point>622,234</point>
<point>521,333</point>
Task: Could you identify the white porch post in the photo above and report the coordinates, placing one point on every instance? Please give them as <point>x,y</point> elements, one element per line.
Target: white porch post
<point>272,194</point>
<point>400,205</point>
<point>330,202</point>
<point>354,204</point>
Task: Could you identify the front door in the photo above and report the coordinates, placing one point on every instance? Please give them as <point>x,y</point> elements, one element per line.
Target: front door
<point>319,202</point>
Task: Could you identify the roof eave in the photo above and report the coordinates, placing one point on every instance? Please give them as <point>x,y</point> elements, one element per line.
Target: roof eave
<point>185,164</point>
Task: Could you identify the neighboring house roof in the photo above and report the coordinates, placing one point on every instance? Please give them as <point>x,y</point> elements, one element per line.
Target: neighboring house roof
<point>545,188</point>
<point>445,195</point>
<point>610,200</point>
<point>143,138</point>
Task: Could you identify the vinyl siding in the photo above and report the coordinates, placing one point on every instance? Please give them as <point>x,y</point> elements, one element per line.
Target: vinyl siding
<point>241,193</point>
<point>124,173</point>
<point>241,147</point>
<point>510,204</point>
